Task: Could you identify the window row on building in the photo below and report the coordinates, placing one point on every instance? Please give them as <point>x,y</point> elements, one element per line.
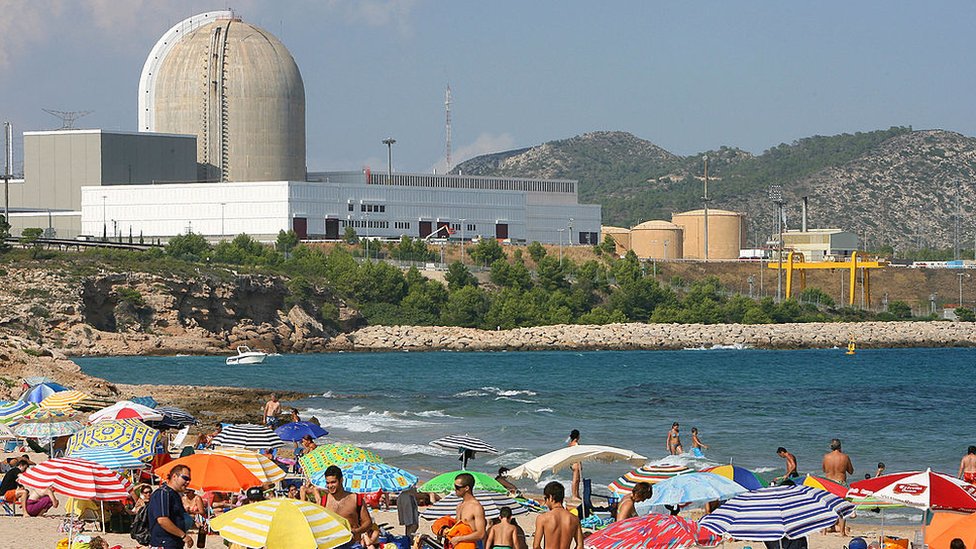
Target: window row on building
<point>360,224</point>
<point>476,183</point>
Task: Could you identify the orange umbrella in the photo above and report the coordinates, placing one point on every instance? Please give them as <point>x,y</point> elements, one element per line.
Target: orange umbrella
<point>947,526</point>
<point>213,473</point>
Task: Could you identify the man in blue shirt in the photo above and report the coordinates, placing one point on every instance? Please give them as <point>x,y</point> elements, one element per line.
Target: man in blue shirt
<point>167,524</point>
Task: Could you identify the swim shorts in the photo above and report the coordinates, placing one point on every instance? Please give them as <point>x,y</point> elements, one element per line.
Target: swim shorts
<point>970,477</point>
<point>37,506</point>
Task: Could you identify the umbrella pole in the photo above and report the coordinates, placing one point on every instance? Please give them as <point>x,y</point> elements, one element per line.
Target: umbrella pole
<point>102,503</point>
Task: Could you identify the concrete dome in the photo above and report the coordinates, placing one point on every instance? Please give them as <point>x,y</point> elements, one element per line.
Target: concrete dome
<point>237,88</point>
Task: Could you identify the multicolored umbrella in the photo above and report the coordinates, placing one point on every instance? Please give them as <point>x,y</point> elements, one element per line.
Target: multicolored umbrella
<point>113,458</point>
<point>64,399</point>
<point>739,475</point>
<point>47,414</point>
<point>366,478</point>
<point>920,489</point>
<point>652,532</point>
<point>694,488</point>
<point>258,464</point>
<point>777,512</point>
<point>39,392</point>
<point>129,435</point>
<point>77,478</point>
<point>248,435</point>
<point>821,483</point>
<point>6,433</point>
<point>651,474</point>
<point>213,473</point>
<point>283,523</point>
<point>48,428</point>
<point>297,430</point>
<point>444,483</point>
<point>322,457</point>
<point>491,501</point>
<point>125,409</point>
<point>13,411</point>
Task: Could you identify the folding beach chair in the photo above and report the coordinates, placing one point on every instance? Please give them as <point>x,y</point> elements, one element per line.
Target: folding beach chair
<point>587,508</point>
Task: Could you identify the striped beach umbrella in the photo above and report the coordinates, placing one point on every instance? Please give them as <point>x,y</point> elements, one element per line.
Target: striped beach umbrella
<point>39,392</point>
<point>652,532</point>
<point>173,418</point>
<point>258,464</point>
<point>821,483</point>
<point>444,483</point>
<point>322,457</point>
<point>64,399</point>
<point>77,478</point>
<point>777,512</point>
<point>113,458</point>
<point>125,409</point>
<point>651,474</point>
<point>739,475</point>
<point>366,478</point>
<point>920,489</point>
<point>146,401</point>
<point>248,435</point>
<point>13,411</point>
<point>491,501</point>
<point>467,445</point>
<point>48,428</point>
<point>129,435</point>
<point>283,523</point>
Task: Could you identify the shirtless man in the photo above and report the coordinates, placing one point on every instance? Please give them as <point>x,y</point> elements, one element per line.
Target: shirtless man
<point>574,438</point>
<point>790,465</point>
<point>967,467</point>
<point>557,528</point>
<point>836,466</point>
<point>346,505</point>
<point>503,535</point>
<point>673,443</point>
<point>271,410</point>
<point>469,511</point>
<point>641,492</point>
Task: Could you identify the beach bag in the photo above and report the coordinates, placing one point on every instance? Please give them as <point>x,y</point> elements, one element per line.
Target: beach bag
<point>140,526</point>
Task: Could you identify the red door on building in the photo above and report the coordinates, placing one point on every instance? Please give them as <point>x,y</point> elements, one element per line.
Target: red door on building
<point>300,226</point>
<point>501,231</point>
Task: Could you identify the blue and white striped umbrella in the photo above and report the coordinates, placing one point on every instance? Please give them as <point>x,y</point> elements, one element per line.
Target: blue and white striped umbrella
<point>112,458</point>
<point>492,502</point>
<point>777,512</point>
<point>366,478</point>
<point>146,401</point>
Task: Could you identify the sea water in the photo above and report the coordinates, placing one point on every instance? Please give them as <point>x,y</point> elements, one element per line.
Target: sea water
<point>908,408</point>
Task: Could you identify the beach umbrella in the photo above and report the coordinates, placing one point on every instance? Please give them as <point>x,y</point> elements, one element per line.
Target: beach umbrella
<point>112,458</point>
<point>282,523</point>
<point>467,445</point>
<point>173,418</point>
<point>947,526</point>
<point>651,474</point>
<point>63,400</point>
<point>694,488</point>
<point>125,409</point>
<point>213,473</point>
<point>920,489</point>
<point>33,381</point>
<point>258,464</point>
<point>739,475</point>
<point>491,501</point>
<point>366,478</point>
<point>48,414</point>
<point>248,435</point>
<point>48,428</point>
<point>565,457</point>
<point>77,478</point>
<point>322,457</point>
<point>777,512</point>
<point>129,435</point>
<point>39,392</point>
<point>821,483</point>
<point>444,483</point>
<point>6,433</point>
<point>13,411</point>
<point>652,532</point>
<point>146,401</point>
<point>297,430</point>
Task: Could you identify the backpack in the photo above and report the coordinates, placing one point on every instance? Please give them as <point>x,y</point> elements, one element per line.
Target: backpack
<point>140,526</point>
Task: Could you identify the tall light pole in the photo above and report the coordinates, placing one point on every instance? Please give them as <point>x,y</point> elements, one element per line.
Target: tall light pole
<point>705,202</point>
<point>104,226</point>
<point>776,195</point>
<point>570,231</point>
<point>389,141</point>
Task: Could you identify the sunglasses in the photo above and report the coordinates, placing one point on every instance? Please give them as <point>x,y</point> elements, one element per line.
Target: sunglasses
<point>459,487</point>
<point>184,477</point>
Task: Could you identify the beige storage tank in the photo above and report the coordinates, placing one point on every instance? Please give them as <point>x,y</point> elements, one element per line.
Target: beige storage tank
<point>726,233</point>
<point>657,239</point>
<point>237,88</point>
<point>620,236</point>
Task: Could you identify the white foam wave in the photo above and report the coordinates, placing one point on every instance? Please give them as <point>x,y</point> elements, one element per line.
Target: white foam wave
<point>498,392</point>
<point>370,422</point>
<point>328,394</point>
<point>522,400</point>
<point>406,449</point>
<point>355,409</point>
<point>688,460</point>
<point>764,469</point>
<point>541,410</point>
<point>469,394</point>
<point>432,413</point>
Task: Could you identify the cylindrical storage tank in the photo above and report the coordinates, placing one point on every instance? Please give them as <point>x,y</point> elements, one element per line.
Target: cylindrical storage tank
<point>657,239</point>
<point>620,236</point>
<point>237,88</point>
<point>726,233</point>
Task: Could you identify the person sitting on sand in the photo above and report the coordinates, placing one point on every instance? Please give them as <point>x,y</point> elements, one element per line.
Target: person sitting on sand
<point>790,466</point>
<point>626,509</point>
<point>195,508</point>
<point>308,444</point>
<point>10,489</point>
<point>37,502</point>
<point>557,528</point>
<point>967,467</point>
<point>503,535</point>
<point>696,444</point>
<point>673,443</point>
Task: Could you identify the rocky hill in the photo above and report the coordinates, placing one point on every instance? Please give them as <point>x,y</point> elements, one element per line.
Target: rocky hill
<point>895,186</point>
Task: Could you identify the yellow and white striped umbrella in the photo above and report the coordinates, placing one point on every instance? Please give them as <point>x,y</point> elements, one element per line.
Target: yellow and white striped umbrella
<point>258,464</point>
<point>283,523</point>
<point>64,399</point>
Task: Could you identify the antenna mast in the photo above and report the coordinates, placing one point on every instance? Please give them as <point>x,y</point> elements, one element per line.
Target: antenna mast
<point>447,111</point>
<point>68,118</point>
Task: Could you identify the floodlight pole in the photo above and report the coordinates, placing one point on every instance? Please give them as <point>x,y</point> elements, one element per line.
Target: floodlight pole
<point>776,195</point>
<point>389,141</point>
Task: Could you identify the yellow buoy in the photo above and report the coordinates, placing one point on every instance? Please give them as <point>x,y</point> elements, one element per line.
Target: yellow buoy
<point>851,346</point>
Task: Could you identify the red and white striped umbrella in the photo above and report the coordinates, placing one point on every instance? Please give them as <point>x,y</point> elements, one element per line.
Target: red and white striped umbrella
<point>919,489</point>
<point>77,478</point>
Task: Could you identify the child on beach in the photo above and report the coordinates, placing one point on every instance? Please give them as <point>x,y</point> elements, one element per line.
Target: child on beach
<point>697,444</point>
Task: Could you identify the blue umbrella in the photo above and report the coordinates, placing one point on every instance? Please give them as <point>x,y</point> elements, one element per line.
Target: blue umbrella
<point>694,488</point>
<point>297,430</point>
<point>41,391</point>
<point>146,401</point>
<point>366,478</point>
<point>112,458</point>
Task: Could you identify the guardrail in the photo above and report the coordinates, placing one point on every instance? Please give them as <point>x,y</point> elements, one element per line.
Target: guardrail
<point>66,243</point>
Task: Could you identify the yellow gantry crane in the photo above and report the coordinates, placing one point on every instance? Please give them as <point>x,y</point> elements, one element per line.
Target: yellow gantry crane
<point>794,261</point>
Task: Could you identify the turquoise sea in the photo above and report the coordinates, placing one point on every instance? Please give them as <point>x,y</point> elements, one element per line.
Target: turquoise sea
<point>909,408</point>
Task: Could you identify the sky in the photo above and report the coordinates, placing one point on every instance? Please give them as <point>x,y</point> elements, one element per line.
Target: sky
<point>687,75</point>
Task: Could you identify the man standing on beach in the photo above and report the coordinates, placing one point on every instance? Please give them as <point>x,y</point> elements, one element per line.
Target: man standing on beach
<point>469,511</point>
<point>271,410</point>
<point>167,517</point>
<point>346,504</point>
<point>790,465</point>
<point>836,466</point>
<point>556,528</point>
<point>967,467</point>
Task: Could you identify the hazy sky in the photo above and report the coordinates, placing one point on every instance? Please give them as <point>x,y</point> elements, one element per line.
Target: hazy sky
<point>687,75</point>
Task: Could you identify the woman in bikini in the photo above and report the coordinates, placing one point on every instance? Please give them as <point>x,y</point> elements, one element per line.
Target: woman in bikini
<point>674,441</point>
<point>574,437</point>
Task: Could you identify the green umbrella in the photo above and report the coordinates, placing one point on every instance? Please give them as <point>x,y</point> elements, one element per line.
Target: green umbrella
<point>335,454</point>
<point>444,483</point>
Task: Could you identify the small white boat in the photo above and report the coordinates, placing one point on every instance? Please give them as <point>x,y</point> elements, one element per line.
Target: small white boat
<point>246,356</point>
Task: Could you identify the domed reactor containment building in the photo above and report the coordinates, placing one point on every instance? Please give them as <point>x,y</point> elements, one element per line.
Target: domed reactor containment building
<point>237,88</point>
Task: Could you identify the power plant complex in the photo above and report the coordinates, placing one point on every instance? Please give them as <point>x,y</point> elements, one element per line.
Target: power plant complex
<point>220,150</point>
